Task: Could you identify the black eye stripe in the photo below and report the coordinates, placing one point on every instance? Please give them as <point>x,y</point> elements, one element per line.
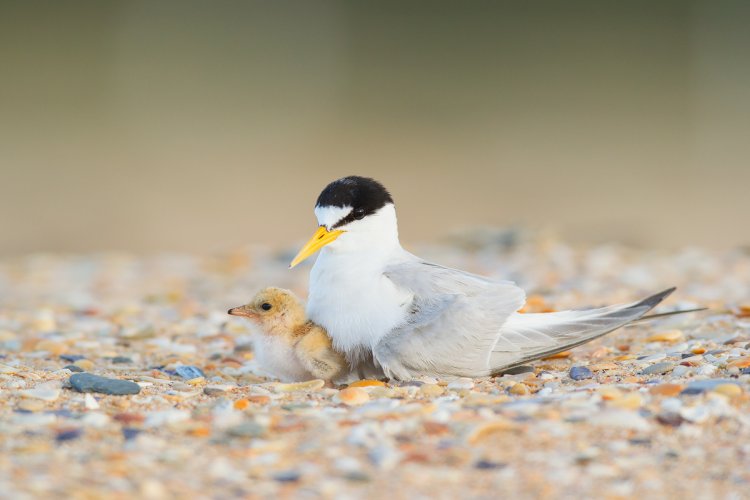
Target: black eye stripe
<point>365,195</point>
<point>357,214</point>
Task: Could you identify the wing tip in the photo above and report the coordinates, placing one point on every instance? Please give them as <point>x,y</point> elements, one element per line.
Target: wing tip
<point>654,300</point>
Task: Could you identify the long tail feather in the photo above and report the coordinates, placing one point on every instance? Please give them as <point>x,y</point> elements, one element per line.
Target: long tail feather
<point>667,314</point>
<point>525,337</point>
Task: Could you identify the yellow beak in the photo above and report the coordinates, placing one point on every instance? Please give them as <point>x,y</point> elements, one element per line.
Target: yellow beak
<point>321,238</point>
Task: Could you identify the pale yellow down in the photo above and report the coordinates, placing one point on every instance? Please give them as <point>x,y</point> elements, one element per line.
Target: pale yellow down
<point>286,320</point>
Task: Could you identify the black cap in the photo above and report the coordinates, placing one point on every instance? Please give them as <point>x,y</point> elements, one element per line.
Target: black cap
<point>364,195</point>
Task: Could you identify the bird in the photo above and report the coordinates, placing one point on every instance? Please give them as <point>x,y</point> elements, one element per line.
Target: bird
<point>291,348</point>
<point>393,312</point>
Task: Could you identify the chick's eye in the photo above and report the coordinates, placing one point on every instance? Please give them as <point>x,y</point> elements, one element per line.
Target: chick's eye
<point>265,306</point>
<point>359,213</point>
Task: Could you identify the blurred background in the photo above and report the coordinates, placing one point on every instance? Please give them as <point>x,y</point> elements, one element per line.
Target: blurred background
<point>200,126</point>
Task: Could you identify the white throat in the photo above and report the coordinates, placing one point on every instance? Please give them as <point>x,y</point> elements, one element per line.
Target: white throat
<point>375,234</point>
<point>349,294</point>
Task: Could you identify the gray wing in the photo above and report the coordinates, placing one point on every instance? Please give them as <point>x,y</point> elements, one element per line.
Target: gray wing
<point>453,322</point>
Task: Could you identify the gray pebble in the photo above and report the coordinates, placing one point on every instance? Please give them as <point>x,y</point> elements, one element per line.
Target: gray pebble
<point>247,429</point>
<point>86,382</point>
<point>658,368</point>
<point>121,360</point>
<point>287,476</point>
<point>681,370</point>
<point>699,386</point>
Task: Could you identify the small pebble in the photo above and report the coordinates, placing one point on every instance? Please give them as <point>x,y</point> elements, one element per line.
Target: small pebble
<point>41,393</point>
<point>740,363</point>
<point>669,390</point>
<point>580,373</point>
<point>667,336</point>
<point>84,364</point>
<point>367,383</point>
<point>189,372</point>
<point>461,384</point>
<point>498,425</point>
<point>630,401</point>
<point>700,386</point>
<point>214,390</point>
<point>289,476</point>
<point>353,396</point>
<point>671,419</point>
<point>71,358</point>
<point>86,382</point>
<point>241,404</point>
<point>130,433</point>
<point>68,435</point>
<point>658,368</point>
<point>310,385</point>
<point>431,390</point>
<point>681,371</point>
<point>247,429</point>
<point>728,390</point>
<point>706,370</point>
<point>489,465</point>
<point>121,360</point>
<point>31,405</point>
<point>519,389</point>
<point>51,346</point>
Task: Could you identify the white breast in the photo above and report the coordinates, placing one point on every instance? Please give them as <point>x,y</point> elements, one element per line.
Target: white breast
<point>276,358</point>
<point>353,301</point>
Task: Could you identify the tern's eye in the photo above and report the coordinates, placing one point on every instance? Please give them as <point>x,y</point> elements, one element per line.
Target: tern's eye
<point>266,306</point>
<point>359,213</point>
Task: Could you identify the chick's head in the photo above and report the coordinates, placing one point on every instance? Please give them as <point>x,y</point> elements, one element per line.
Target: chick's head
<point>275,310</point>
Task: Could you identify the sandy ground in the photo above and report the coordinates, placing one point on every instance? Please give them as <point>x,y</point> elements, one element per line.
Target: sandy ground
<point>658,410</point>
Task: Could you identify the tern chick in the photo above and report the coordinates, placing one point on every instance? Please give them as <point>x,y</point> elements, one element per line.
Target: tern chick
<point>291,348</point>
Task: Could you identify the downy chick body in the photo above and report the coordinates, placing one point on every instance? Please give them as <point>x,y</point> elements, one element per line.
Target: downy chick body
<point>290,348</point>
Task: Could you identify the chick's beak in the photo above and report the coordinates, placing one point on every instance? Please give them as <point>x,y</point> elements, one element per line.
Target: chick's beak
<point>242,311</point>
<point>321,238</point>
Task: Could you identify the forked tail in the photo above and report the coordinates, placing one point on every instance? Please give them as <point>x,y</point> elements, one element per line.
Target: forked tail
<point>525,337</point>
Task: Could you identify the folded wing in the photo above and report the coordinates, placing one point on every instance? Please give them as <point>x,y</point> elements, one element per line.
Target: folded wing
<point>453,321</point>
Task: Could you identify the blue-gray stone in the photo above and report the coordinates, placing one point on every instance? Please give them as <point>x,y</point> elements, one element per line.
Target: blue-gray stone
<point>488,465</point>
<point>121,360</point>
<point>700,386</point>
<point>247,429</point>
<point>288,476</point>
<point>86,382</point>
<point>189,372</point>
<point>73,368</point>
<point>580,373</point>
<point>71,358</point>
<point>130,433</point>
<point>68,435</point>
